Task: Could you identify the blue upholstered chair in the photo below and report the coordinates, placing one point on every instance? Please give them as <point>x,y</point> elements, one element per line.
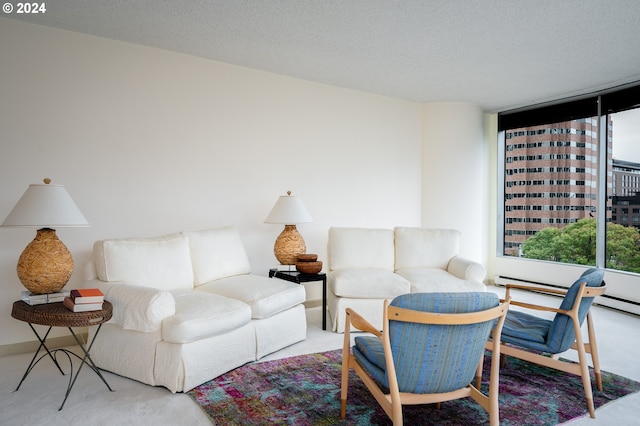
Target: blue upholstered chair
<point>541,341</point>
<point>429,351</point>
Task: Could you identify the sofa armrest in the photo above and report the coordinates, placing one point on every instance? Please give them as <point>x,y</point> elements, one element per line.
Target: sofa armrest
<point>466,269</point>
<point>136,307</point>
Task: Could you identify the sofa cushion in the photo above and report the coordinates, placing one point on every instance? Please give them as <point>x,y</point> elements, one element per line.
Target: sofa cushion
<point>367,283</point>
<point>266,296</point>
<point>160,262</point>
<point>424,247</point>
<point>217,253</point>
<point>201,315</point>
<point>361,248</point>
<point>430,280</point>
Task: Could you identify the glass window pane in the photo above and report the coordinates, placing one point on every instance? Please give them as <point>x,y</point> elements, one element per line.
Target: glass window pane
<point>623,237</point>
<point>550,191</point>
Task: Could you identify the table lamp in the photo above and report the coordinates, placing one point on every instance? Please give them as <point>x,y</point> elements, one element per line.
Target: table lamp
<point>289,210</point>
<point>45,265</point>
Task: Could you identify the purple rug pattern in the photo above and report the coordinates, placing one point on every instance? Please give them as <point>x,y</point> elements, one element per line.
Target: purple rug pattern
<point>305,390</point>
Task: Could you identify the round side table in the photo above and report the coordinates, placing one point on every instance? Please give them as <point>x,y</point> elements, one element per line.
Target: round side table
<point>57,315</point>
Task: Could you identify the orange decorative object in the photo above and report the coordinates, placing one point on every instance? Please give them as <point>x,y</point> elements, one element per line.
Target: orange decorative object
<point>307,257</point>
<point>309,267</point>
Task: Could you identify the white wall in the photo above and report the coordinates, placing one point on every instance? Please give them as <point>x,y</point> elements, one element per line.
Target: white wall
<point>455,191</point>
<point>150,142</point>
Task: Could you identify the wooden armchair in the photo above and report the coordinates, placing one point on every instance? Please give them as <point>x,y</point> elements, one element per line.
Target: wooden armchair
<point>541,341</point>
<point>429,351</point>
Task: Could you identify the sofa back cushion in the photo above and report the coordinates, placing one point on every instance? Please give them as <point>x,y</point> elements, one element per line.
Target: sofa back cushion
<point>361,248</point>
<point>425,248</point>
<point>159,262</point>
<point>217,253</point>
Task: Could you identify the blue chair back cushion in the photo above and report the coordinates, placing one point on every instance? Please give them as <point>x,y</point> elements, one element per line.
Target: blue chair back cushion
<point>431,358</point>
<point>561,332</point>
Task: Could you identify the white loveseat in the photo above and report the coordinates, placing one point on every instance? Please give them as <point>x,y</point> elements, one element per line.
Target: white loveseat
<point>186,308</point>
<point>369,265</point>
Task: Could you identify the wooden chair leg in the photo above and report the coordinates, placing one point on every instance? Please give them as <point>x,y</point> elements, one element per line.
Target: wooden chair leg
<point>593,350</point>
<point>479,373</point>
<point>346,364</point>
<point>584,369</point>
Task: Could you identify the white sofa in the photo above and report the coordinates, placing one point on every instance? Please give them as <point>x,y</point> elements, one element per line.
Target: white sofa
<point>186,308</point>
<point>369,265</point>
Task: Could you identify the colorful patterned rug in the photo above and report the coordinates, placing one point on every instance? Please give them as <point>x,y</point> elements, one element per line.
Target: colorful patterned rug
<point>305,390</point>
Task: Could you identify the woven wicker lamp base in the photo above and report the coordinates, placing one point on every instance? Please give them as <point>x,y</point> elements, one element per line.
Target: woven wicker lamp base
<point>45,265</point>
<point>289,245</point>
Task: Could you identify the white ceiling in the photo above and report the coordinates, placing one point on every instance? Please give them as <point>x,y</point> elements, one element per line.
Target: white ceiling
<point>499,54</point>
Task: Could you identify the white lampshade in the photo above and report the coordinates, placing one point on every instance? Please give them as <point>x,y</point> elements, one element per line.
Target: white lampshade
<point>46,205</point>
<point>289,210</point>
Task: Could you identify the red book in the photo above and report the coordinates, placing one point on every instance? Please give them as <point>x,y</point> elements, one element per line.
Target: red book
<point>81,307</point>
<point>87,295</point>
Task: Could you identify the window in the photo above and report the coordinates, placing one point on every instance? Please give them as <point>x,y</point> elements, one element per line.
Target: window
<point>571,179</point>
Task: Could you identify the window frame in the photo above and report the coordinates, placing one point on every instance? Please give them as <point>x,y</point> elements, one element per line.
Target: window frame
<point>598,105</point>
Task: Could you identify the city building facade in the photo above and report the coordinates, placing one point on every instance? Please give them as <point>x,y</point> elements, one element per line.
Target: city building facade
<point>626,193</point>
<point>550,178</point>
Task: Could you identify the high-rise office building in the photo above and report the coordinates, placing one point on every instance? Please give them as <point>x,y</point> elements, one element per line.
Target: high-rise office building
<point>626,193</point>
<point>626,178</point>
<point>550,178</point>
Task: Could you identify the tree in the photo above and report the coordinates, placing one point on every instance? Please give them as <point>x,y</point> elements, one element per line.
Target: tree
<point>576,243</point>
<point>623,248</point>
<point>543,245</point>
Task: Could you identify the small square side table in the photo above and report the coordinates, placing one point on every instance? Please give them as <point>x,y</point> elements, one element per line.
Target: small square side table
<point>299,278</point>
<point>57,315</point>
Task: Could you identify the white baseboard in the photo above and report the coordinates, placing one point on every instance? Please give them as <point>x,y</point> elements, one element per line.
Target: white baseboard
<point>32,346</point>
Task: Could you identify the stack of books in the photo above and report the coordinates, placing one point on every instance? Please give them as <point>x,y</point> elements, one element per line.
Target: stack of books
<point>39,299</point>
<point>84,299</point>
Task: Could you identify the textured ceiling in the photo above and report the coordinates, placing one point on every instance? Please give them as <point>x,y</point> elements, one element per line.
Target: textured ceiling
<point>499,54</point>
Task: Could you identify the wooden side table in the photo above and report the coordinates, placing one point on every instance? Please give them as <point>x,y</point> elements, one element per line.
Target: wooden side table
<point>56,315</point>
<point>299,278</point>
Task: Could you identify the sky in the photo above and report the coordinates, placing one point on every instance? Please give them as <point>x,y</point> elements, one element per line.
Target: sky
<point>626,135</point>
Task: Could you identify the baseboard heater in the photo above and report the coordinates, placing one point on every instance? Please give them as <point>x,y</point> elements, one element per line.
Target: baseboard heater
<point>502,280</point>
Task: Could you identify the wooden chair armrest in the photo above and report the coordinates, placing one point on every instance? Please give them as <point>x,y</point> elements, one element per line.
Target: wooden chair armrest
<point>542,290</point>
<point>539,307</point>
<point>537,289</point>
<point>359,322</point>
<point>588,292</point>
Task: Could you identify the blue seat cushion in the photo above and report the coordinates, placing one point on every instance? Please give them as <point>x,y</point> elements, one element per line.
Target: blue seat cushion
<point>526,327</point>
<point>369,353</point>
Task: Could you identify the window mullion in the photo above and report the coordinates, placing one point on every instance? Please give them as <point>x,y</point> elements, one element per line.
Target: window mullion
<point>601,222</point>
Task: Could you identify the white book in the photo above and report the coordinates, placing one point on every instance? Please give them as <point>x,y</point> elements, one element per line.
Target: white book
<point>81,307</point>
<point>38,299</point>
